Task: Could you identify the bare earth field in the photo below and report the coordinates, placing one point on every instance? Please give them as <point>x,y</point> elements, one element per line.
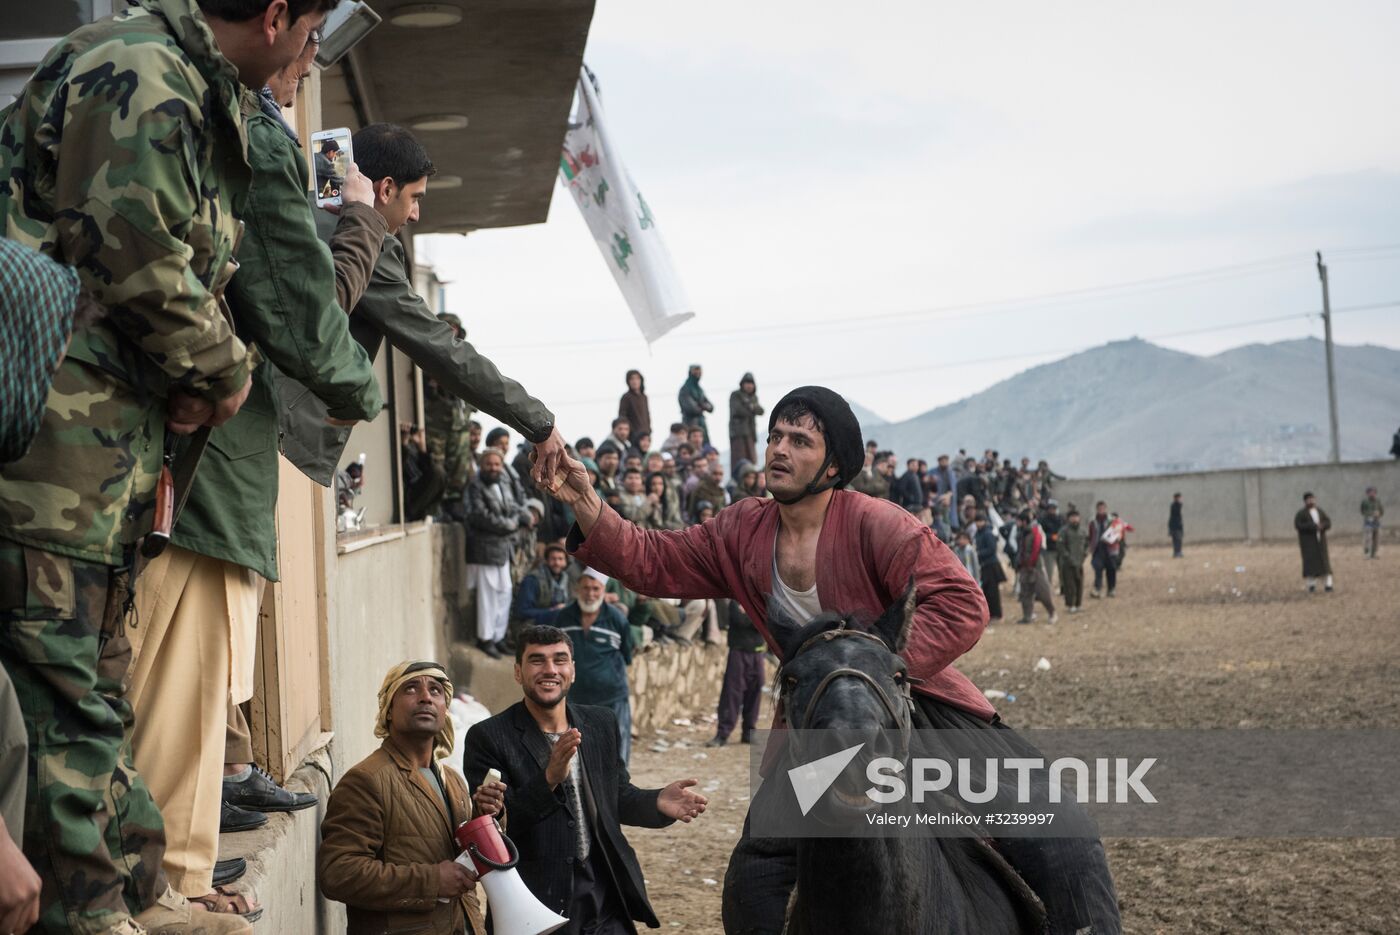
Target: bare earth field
<point>1225,637</point>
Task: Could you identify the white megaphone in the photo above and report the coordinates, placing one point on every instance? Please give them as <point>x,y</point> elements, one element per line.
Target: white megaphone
<point>514,909</point>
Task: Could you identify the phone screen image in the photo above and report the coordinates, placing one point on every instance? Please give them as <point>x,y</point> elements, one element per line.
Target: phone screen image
<point>332,158</point>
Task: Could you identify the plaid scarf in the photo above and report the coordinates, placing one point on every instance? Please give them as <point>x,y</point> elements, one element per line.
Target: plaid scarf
<point>37,299</point>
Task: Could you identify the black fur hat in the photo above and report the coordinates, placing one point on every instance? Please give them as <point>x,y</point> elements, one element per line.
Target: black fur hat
<point>839,425</point>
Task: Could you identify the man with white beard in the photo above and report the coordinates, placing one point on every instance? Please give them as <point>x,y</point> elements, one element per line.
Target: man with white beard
<point>602,651</point>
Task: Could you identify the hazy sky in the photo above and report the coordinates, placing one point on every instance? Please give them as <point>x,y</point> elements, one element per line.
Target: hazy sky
<point>852,196</point>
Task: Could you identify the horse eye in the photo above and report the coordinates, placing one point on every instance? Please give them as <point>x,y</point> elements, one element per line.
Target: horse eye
<point>790,683</point>
<point>900,676</point>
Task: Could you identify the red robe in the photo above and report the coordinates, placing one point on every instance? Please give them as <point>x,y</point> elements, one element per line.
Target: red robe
<point>867,550</point>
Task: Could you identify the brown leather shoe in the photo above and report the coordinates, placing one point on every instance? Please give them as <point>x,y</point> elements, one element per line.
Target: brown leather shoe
<point>173,914</point>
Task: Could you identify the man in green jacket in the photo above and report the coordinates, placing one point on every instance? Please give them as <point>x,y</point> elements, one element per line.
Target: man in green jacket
<point>125,157</point>
<point>201,596</point>
<point>1071,550</point>
<point>391,310</point>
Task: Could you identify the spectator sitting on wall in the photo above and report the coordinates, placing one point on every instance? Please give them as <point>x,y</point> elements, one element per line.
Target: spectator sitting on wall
<point>609,460</point>
<point>747,484</point>
<point>697,438</point>
<point>663,505</point>
<point>634,496</point>
<point>704,511</point>
<point>675,439</point>
<point>383,851</point>
<point>710,487</point>
<point>584,447</point>
<point>545,591</point>
<point>621,435</point>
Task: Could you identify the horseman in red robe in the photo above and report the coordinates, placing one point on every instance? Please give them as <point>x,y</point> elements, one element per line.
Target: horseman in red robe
<point>814,547</point>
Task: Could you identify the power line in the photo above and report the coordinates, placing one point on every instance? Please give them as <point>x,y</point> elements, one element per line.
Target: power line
<point>999,306</point>
<point>1056,352</point>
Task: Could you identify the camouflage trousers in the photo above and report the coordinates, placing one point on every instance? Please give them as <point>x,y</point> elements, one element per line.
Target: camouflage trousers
<point>91,829</point>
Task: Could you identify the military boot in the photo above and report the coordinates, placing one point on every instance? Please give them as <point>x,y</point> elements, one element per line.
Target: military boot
<point>173,914</point>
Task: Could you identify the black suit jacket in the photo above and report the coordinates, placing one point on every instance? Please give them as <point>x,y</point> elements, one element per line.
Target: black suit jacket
<point>539,819</point>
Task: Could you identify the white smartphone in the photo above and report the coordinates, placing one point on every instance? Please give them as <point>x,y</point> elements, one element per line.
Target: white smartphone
<point>331,155</point>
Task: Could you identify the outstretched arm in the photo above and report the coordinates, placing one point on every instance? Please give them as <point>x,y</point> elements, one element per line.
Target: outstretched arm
<point>658,563</point>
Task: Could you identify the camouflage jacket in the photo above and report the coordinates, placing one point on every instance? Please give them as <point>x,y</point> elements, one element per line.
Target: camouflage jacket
<point>125,157</point>
<point>286,300</point>
<point>448,423</point>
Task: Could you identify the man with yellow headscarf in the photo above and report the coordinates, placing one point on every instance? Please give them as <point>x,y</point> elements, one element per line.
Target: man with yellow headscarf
<point>387,849</point>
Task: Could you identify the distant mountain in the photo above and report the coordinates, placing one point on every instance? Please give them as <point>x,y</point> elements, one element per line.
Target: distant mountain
<point>1131,407</point>
<point>866,418</point>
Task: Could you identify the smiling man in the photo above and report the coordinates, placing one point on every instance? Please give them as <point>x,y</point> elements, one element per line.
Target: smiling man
<point>568,793</point>
<point>815,547</point>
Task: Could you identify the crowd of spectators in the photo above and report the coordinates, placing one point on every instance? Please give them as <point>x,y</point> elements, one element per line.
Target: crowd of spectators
<point>516,563</point>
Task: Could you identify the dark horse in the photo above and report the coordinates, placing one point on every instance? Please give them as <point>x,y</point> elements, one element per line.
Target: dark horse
<point>837,676</point>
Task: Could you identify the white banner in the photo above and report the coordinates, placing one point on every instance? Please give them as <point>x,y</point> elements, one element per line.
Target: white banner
<point>620,220</point>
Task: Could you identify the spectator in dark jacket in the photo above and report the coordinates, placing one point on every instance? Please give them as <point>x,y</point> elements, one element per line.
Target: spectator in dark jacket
<point>493,516</point>
<point>634,406</point>
<point>908,490</point>
<point>972,484</point>
<point>694,403</point>
<point>545,591</point>
<point>1175,527</point>
<point>742,691</point>
<point>744,410</point>
<point>554,757</point>
<point>989,564</point>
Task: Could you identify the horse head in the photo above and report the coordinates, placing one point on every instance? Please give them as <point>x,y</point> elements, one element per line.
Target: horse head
<point>838,675</point>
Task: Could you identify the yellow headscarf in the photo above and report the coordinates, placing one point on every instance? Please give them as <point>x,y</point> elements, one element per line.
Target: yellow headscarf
<point>405,672</point>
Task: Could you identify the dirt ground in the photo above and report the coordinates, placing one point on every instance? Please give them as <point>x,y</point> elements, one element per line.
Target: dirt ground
<point>1225,637</point>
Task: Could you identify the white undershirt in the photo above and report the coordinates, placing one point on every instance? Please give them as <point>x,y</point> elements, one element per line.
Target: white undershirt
<point>1317,521</point>
<point>801,606</point>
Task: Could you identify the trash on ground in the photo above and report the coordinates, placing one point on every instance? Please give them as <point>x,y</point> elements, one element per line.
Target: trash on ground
<point>1043,665</point>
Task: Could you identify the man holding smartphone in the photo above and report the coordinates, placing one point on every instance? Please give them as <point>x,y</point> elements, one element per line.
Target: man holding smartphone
<point>399,168</point>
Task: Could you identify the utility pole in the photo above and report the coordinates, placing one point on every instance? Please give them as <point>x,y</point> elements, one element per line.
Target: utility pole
<point>1336,451</point>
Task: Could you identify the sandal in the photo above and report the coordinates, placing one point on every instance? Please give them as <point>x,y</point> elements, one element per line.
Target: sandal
<point>228,900</point>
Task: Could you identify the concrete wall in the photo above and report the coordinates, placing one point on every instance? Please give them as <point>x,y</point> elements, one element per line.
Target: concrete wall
<point>675,681</point>
<point>1249,504</point>
<point>382,612</point>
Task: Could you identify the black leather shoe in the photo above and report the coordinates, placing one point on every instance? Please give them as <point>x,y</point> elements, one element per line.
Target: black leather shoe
<point>232,819</point>
<point>227,871</point>
<point>261,793</point>
<point>715,741</point>
<point>489,648</point>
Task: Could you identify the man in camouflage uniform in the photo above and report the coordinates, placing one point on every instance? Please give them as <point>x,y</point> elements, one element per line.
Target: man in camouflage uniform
<point>124,156</point>
<point>448,420</point>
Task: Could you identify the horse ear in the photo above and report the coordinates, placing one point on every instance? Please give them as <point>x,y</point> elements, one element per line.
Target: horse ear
<point>783,627</point>
<point>893,625</point>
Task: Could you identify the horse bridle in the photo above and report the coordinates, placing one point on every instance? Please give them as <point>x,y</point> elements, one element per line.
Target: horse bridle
<point>901,714</point>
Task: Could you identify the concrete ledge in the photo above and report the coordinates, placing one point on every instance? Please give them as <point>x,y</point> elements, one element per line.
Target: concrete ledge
<point>281,859</point>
